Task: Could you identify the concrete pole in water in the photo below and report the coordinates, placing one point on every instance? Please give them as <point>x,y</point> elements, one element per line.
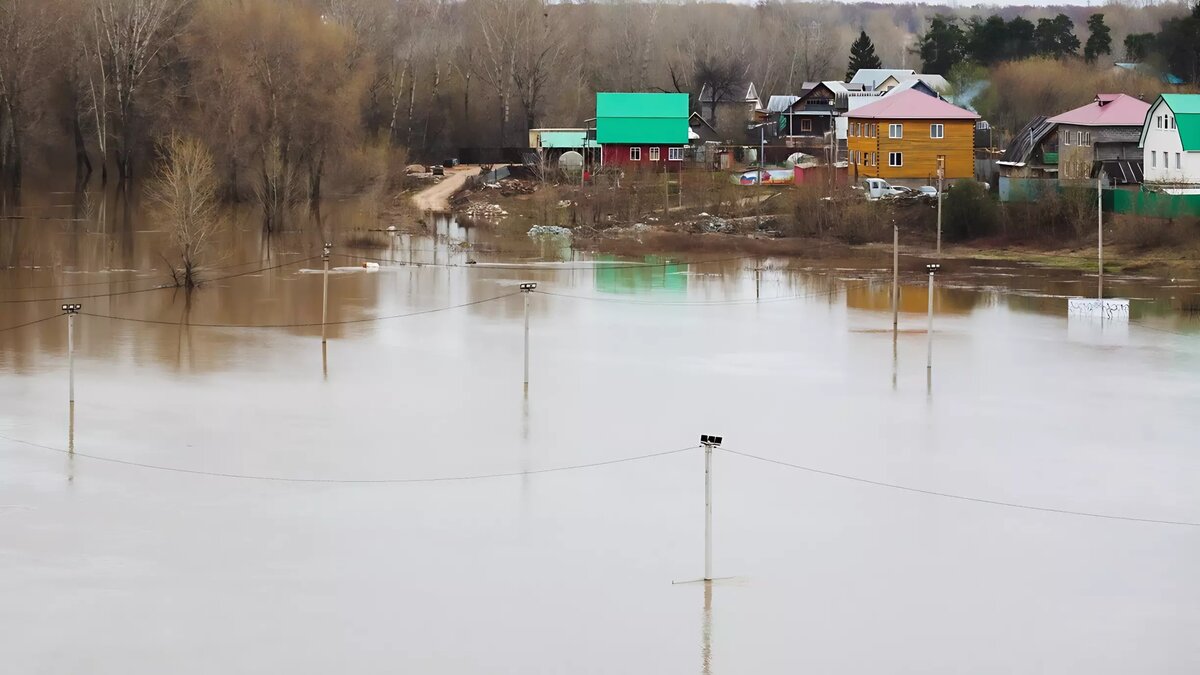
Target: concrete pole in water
<point>526,289</point>
<point>757,280</point>
<point>71,311</point>
<point>895,277</point>
<point>929,331</point>
<point>325,289</point>
<point>709,442</point>
<point>941,172</point>
<point>1100,243</point>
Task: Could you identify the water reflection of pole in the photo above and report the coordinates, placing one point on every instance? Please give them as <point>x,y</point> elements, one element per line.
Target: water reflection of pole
<point>71,443</point>
<point>71,311</point>
<point>526,289</point>
<point>929,331</point>
<point>325,289</point>
<point>709,442</point>
<point>706,632</point>
<point>757,280</point>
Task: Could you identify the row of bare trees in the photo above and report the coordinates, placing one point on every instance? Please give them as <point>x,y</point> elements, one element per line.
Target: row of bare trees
<point>292,96</point>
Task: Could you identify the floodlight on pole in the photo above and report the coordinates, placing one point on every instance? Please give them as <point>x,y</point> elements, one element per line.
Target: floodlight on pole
<point>933,268</point>
<point>709,442</point>
<point>527,288</point>
<point>71,309</point>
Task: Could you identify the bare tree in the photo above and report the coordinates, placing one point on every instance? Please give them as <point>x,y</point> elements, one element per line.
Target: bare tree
<point>540,53</point>
<point>184,193</point>
<point>129,37</point>
<point>26,27</point>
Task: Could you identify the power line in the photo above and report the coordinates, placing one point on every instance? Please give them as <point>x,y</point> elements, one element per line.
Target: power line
<point>948,495</point>
<point>123,281</point>
<point>288,479</point>
<point>30,323</point>
<point>183,323</point>
<point>159,287</point>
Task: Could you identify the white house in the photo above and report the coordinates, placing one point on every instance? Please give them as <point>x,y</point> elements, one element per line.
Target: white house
<point>1170,143</point>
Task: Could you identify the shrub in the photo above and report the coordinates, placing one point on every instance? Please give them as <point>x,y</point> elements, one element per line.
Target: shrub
<point>969,212</point>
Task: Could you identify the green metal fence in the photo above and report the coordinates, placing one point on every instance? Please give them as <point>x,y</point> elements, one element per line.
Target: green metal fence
<point>1151,204</point>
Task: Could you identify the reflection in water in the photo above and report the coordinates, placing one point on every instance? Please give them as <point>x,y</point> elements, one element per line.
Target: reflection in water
<point>325,361</point>
<point>706,631</point>
<point>71,443</point>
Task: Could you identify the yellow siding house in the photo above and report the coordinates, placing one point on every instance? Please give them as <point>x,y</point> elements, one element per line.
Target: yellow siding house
<point>906,134</point>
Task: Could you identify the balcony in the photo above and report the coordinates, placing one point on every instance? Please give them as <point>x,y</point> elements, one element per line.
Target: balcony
<point>1050,157</point>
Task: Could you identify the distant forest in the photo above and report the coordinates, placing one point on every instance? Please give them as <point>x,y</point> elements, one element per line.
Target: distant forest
<point>289,96</point>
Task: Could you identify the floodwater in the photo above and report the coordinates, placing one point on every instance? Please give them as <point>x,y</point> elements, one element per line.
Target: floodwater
<point>236,503</point>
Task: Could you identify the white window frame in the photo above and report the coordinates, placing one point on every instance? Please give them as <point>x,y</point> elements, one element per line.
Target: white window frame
<point>1154,158</point>
<point>674,154</point>
<point>937,131</point>
<point>805,124</point>
<point>1067,138</point>
<point>635,154</point>
<point>895,131</point>
<point>895,159</point>
<point>655,153</point>
<point>1178,161</point>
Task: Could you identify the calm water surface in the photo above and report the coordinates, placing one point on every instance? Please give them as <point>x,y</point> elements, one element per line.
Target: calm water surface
<point>117,567</point>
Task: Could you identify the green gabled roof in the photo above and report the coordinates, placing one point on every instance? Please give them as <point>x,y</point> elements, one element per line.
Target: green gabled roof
<point>1186,108</point>
<point>631,118</point>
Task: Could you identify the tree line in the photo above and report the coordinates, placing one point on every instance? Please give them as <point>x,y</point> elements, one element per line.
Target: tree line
<point>294,99</point>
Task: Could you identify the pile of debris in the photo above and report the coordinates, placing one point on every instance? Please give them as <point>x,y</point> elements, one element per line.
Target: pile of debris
<point>483,210</point>
<point>511,186</point>
<point>705,223</point>
<point>548,231</point>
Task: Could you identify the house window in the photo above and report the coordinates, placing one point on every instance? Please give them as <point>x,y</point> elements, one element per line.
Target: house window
<point>654,152</point>
<point>675,154</point>
<point>895,131</point>
<point>805,125</point>
<point>895,159</point>
<point>635,154</point>
<point>1158,121</point>
<point>1067,138</point>
<point>874,159</point>
<point>1153,158</point>
<point>937,131</point>
<point>1178,161</point>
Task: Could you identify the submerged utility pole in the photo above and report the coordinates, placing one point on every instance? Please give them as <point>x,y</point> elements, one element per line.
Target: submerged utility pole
<point>929,332</point>
<point>895,276</point>
<point>71,310</point>
<point>526,289</point>
<point>1100,242</point>
<point>709,442</point>
<point>325,288</point>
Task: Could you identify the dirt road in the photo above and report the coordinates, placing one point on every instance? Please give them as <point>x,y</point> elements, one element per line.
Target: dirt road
<point>437,197</point>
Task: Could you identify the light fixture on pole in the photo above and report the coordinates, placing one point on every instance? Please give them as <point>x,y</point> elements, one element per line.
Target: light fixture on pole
<point>71,310</point>
<point>933,268</point>
<point>527,288</point>
<point>709,442</point>
<point>325,288</point>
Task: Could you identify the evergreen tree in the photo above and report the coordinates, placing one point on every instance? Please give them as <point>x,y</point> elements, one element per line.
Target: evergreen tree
<point>942,46</point>
<point>1099,41</point>
<point>1138,46</point>
<point>1021,41</point>
<point>862,55</point>
<point>1056,37</point>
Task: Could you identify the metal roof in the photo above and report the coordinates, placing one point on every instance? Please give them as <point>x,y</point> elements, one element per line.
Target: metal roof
<point>1021,147</point>
<point>637,118</point>
<point>912,105</point>
<point>1108,110</point>
<point>873,76</point>
<point>778,104</point>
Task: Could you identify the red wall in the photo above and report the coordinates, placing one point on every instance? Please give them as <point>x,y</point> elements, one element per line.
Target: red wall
<point>618,155</point>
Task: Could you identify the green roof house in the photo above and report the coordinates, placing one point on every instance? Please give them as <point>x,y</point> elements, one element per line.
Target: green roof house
<point>642,130</point>
<point>1171,143</point>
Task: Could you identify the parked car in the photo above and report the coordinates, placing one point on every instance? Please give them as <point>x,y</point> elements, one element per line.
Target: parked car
<point>928,191</point>
<point>437,170</point>
<point>878,188</point>
<point>450,163</point>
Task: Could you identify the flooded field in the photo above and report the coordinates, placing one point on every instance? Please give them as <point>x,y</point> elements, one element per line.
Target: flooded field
<point>228,497</point>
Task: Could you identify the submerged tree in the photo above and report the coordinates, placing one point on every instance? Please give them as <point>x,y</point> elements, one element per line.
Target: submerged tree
<point>184,193</point>
<point>862,55</point>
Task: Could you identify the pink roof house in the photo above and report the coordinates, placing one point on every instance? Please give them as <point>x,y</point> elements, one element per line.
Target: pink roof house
<point>1102,135</point>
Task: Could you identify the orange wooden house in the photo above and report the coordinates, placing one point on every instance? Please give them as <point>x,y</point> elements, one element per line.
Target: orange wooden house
<point>907,134</point>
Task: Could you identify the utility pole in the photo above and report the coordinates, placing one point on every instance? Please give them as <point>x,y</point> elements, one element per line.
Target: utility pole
<point>895,276</point>
<point>1100,242</point>
<point>325,288</point>
<point>709,442</point>
<point>71,310</point>
<point>526,289</point>
<point>941,173</point>
<point>929,331</point>
<point>762,152</point>
<point>757,280</point>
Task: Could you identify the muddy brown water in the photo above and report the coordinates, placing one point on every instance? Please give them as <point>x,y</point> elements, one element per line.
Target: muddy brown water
<point>236,503</point>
